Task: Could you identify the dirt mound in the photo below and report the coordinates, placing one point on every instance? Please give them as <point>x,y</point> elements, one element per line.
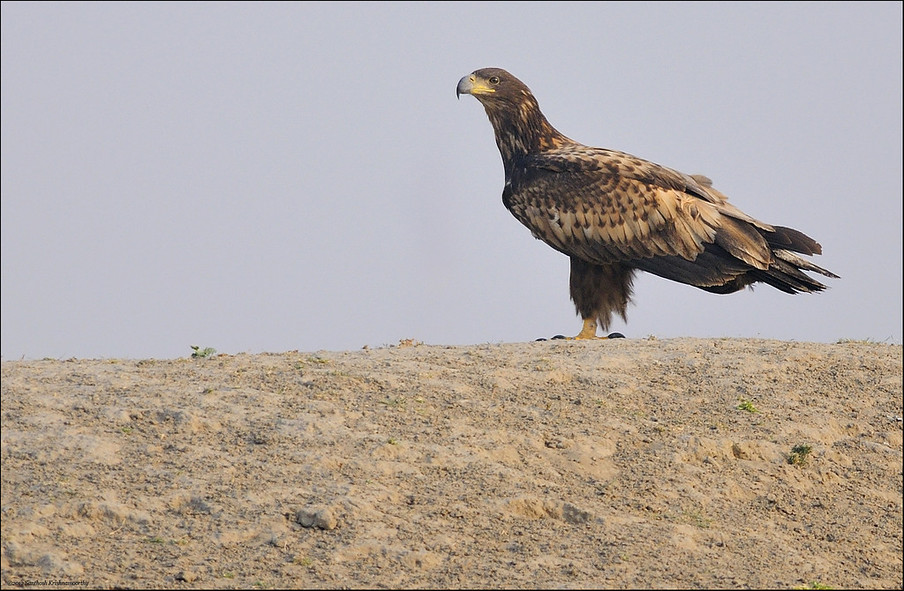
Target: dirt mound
<point>682,463</point>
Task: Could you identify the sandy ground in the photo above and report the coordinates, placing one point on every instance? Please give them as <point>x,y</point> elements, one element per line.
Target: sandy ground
<point>684,463</point>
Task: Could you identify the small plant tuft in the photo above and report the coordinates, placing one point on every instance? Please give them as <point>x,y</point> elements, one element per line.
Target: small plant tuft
<point>747,405</point>
<point>199,353</point>
<point>800,455</point>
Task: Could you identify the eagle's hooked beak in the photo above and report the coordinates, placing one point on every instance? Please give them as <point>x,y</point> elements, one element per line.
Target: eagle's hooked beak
<point>465,85</point>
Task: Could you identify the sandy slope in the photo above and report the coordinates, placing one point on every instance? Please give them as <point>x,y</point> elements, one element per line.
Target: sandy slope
<point>629,463</point>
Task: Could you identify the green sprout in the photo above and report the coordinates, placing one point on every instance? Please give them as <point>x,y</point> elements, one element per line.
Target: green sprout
<point>800,455</point>
<point>199,353</point>
<point>747,405</point>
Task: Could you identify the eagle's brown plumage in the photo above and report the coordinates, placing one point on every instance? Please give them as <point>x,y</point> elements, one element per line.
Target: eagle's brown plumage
<point>614,214</point>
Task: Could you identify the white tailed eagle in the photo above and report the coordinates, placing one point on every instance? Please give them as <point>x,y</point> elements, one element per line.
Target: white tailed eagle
<point>614,214</point>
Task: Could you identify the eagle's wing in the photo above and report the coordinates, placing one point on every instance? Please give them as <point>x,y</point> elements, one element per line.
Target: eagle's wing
<point>609,207</point>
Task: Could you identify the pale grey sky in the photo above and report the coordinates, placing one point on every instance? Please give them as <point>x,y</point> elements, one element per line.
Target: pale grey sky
<point>271,177</point>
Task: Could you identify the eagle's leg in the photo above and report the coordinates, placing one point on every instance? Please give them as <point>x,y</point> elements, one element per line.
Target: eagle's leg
<point>589,330</point>
<point>598,291</point>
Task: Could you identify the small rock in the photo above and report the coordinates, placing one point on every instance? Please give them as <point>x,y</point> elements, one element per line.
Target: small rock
<point>186,575</point>
<point>323,518</point>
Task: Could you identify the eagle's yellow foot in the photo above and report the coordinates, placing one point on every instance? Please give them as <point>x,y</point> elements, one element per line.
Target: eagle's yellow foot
<point>588,332</point>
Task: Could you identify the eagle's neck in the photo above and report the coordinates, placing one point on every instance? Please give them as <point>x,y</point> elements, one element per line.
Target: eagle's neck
<point>521,130</point>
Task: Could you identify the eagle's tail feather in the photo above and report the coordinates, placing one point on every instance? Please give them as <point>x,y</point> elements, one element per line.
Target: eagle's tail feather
<point>791,239</point>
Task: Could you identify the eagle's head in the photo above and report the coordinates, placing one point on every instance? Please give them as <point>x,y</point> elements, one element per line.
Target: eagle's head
<point>494,88</point>
<point>513,111</point>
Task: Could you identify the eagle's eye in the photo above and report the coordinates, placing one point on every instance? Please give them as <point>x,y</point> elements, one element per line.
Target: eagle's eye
<point>494,79</point>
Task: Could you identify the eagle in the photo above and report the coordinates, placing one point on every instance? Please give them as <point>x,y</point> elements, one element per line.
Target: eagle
<point>614,214</point>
